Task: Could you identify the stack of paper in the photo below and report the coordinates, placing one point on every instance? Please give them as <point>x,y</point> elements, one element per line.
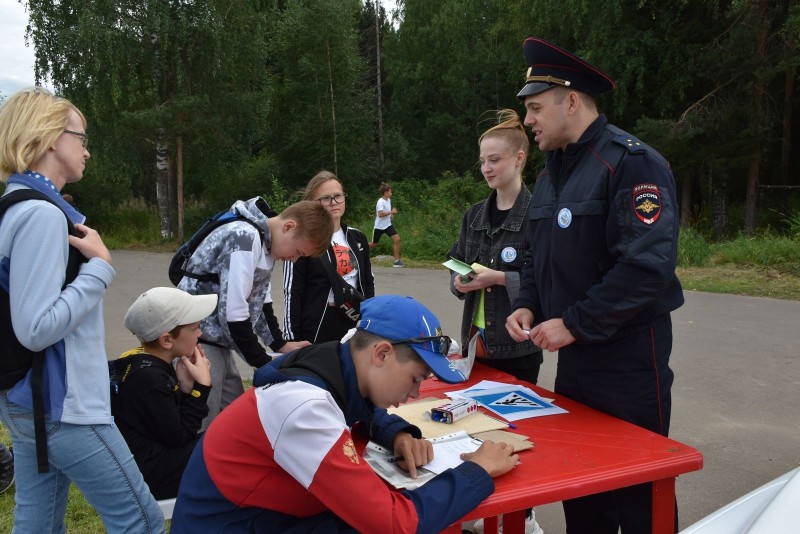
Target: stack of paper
<point>520,442</point>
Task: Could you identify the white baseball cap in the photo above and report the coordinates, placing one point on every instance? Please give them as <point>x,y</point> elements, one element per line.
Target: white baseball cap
<point>161,309</point>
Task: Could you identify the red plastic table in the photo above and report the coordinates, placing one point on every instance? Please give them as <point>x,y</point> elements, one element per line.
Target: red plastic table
<point>575,454</point>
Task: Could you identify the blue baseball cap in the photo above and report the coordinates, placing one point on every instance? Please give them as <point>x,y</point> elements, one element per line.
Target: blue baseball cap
<point>403,320</point>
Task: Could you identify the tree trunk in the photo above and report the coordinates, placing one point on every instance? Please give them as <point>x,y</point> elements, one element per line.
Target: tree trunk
<point>179,185</point>
<point>686,201</point>
<point>162,151</point>
<point>162,184</point>
<point>333,110</point>
<point>378,84</point>
<point>719,205</point>
<point>759,89</point>
<point>789,49</point>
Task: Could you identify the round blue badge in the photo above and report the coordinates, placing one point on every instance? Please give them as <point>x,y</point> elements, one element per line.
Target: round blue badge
<point>508,254</point>
<point>564,217</point>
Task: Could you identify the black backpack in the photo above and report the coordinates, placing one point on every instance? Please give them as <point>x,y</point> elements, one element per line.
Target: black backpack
<point>177,267</point>
<point>15,359</point>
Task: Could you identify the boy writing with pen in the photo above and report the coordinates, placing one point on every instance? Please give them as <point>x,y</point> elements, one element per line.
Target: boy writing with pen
<point>282,456</point>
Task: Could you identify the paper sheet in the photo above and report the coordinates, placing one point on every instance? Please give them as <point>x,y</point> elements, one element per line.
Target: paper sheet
<point>446,451</point>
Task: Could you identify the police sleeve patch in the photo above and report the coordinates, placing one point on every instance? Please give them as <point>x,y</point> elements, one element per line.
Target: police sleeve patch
<point>647,203</point>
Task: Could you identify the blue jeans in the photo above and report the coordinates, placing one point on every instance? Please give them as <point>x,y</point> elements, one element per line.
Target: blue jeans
<point>94,457</point>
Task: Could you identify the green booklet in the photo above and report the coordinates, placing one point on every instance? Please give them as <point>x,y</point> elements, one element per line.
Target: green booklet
<point>458,266</point>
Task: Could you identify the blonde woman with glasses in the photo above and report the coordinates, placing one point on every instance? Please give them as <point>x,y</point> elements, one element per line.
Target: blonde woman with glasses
<point>62,430</point>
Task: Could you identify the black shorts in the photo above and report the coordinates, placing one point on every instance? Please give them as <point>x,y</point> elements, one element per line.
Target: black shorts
<point>376,233</point>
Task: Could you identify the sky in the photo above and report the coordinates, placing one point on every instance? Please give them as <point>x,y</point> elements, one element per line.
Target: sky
<point>16,59</point>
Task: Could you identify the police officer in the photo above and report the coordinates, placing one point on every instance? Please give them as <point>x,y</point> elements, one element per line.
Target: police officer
<point>601,283</point>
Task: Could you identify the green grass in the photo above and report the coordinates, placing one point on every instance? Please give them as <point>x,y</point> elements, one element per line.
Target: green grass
<point>80,517</point>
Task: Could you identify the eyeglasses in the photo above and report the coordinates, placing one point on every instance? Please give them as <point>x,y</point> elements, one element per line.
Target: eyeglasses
<point>328,199</point>
<point>440,344</point>
<point>83,136</point>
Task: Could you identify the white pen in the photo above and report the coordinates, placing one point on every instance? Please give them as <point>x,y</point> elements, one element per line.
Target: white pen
<point>527,332</point>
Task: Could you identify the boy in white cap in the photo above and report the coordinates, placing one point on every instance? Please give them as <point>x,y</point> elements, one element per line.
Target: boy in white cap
<point>281,458</point>
<point>157,407</point>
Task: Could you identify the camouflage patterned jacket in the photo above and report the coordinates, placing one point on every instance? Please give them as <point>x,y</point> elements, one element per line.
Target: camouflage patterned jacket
<point>236,253</point>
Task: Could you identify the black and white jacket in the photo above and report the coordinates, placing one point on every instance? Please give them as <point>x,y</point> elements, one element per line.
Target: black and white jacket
<point>306,288</point>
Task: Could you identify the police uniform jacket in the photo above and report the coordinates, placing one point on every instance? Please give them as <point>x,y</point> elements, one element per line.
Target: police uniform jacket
<point>604,236</point>
<point>502,249</point>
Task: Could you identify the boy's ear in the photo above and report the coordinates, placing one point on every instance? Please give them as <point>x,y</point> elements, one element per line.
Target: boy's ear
<point>165,341</point>
<point>380,351</point>
<point>289,225</point>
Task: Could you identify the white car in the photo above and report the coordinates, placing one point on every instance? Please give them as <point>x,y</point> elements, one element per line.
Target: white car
<point>770,509</point>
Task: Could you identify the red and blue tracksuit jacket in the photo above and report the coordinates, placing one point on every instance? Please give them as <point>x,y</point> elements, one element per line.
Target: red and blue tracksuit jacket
<point>281,458</point>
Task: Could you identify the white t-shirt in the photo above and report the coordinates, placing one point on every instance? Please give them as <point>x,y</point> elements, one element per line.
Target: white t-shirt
<point>383,205</point>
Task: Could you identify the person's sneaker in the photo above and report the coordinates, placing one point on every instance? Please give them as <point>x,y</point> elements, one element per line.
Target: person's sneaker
<point>398,263</point>
<point>531,526</point>
<point>6,468</point>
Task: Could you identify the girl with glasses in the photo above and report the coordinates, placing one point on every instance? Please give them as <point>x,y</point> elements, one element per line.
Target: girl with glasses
<point>322,295</point>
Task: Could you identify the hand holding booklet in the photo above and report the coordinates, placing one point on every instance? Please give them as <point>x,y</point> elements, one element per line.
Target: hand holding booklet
<point>461,268</point>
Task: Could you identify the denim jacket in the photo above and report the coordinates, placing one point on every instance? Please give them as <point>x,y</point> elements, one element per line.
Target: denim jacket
<point>505,250</point>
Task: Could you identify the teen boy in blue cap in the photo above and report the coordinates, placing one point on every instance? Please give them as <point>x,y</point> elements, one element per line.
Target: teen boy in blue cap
<point>601,283</point>
<point>282,458</point>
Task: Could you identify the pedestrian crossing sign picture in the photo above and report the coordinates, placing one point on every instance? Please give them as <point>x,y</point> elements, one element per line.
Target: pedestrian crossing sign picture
<point>514,403</point>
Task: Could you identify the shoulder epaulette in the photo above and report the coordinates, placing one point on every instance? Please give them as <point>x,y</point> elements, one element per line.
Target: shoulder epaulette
<point>633,145</point>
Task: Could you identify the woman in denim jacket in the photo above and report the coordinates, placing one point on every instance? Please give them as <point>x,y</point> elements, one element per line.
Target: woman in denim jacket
<point>493,234</point>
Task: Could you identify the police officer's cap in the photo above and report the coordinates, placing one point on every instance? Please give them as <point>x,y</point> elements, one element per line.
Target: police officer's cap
<point>550,66</point>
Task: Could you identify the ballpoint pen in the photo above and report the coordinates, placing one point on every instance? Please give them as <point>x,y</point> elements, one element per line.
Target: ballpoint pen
<point>510,425</point>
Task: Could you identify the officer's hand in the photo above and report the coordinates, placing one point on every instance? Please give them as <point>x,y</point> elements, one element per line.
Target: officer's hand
<point>415,452</point>
<point>495,458</point>
<point>552,335</point>
<point>519,324</point>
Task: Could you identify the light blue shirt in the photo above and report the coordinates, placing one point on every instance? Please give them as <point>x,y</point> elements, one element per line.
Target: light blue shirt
<point>67,324</point>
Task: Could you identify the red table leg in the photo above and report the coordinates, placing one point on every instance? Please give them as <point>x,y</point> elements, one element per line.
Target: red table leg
<point>514,522</point>
<point>664,506</point>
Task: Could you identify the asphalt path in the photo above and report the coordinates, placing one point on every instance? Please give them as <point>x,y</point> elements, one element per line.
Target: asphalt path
<point>736,396</point>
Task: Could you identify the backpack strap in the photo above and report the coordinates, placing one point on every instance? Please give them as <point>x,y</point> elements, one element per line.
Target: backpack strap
<point>177,267</point>
<point>74,262</point>
<point>124,367</point>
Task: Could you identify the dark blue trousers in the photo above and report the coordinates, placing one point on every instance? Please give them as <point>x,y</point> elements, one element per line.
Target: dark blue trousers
<point>629,378</point>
